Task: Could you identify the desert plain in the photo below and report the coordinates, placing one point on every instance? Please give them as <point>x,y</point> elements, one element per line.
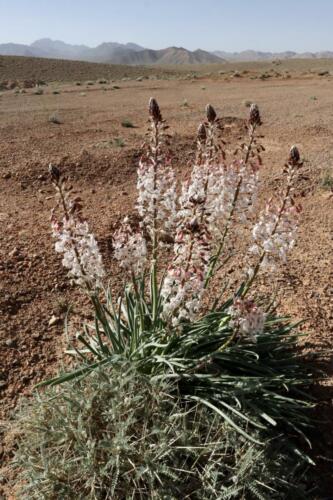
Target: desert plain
<point>96,138</point>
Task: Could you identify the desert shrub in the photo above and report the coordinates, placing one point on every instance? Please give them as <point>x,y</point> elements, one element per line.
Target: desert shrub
<point>327,180</point>
<point>90,82</point>
<point>54,118</point>
<point>39,91</point>
<point>120,434</point>
<point>102,81</point>
<point>56,91</point>
<point>228,355</point>
<point>127,124</point>
<point>118,142</point>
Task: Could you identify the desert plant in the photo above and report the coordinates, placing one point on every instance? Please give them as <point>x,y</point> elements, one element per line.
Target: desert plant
<point>327,180</point>
<point>167,324</point>
<point>229,359</point>
<point>118,142</point>
<point>39,91</point>
<point>127,124</point>
<point>119,434</point>
<point>54,118</point>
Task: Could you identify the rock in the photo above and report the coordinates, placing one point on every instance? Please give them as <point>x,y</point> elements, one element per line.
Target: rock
<point>54,320</point>
<point>10,343</point>
<point>14,252</point>
<point>29,84</point>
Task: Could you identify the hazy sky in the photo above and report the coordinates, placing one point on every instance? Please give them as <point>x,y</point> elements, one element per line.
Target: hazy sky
<point>232,25</point>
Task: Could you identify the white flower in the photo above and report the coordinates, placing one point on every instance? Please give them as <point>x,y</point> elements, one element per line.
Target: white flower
<point>130,248</point>
<point>247,318</point>
<point>156,185</point>
<point>275,232</point>
<point>81,255</point>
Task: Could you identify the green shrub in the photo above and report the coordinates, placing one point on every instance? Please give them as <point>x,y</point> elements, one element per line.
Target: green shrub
<point>119,142</point>
<point>118,434</point>
<point>327,180</point>
<point>127,124</point>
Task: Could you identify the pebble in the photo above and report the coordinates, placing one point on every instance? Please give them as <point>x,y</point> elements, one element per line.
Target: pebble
<point>10,343</point>
<point>53,320</point>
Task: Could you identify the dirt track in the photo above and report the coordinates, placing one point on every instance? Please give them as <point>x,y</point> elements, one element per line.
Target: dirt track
<point>32,282</point>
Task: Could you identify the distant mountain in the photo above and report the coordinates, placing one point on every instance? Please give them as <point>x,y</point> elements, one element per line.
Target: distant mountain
<point>134,54</point>
<point>111,52</point>
<point>16,49</point>
<point>252,55</point>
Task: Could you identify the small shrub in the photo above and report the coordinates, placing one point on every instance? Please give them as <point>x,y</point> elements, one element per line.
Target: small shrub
<point>83,94</point>
<point>327,180</point>
<point>90,83</point>
<point>119,142</point>
<point>102,81</point>
<point>115,87</point>
<point>185,104</point>
<point>247,103</point>
<point>118,434</point>
<point>54,118</point>
<point>78,84</point>
<point>39,91</point>
<point>127,124</point>
<point>56,92</point>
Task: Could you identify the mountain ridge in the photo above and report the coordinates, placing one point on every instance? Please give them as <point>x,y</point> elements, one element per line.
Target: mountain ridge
<point>110,52</point>
<point>133,54</point>
<point>253,55</point>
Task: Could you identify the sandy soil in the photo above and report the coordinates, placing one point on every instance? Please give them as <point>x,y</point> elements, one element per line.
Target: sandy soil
<point>33,286</point>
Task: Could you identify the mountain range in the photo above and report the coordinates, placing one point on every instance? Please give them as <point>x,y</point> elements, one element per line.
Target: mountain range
<point>111,52</point>
<point>252,55</point>
<point>133,54</point>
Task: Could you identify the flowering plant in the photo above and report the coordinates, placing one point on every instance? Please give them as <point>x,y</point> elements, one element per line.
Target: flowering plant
<point>230,354</point>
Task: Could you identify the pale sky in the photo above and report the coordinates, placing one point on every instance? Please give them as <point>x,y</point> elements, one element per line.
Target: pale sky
<point>232,25</point>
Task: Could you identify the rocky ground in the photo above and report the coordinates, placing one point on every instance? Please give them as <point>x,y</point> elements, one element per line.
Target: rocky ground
<point>100,156</point>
